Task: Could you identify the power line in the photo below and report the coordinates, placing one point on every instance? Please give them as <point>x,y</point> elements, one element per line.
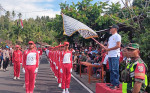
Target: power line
<point>2,9</point>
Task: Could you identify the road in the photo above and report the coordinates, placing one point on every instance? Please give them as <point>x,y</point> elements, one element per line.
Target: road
<point>45,81</point>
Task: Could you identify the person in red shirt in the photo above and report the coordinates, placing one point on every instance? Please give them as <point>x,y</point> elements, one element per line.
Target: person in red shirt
<point>40,52</point>
<point>17,59</point>
<point>59,65</point>
<point>30,66</point>
<point>66,68</point>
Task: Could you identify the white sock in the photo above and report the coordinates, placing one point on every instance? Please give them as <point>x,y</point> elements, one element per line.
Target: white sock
<point>64,91</point>
<point>67,89</point>
<point>59,85</point>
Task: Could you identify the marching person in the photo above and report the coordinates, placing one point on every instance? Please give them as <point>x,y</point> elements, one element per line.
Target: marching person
<point>30,66</point>
<point>66,68</point>
<point>59,65</point>
<point>17,59</point>
<point>134,77</point>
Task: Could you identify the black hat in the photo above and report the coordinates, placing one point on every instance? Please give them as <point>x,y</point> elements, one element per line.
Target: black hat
<point>115,26</point>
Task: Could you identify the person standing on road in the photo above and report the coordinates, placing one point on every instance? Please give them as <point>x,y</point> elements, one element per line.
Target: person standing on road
<point>6,58</point>
<point>113,49</point>
<point>17,59</point>
<point>30,66</point>
<point>1,57</point>
<point>66,68</point>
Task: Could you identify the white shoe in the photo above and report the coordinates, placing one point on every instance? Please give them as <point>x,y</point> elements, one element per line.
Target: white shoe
<point>4,70</point>
<point>67,92</point>
<point>59,85</point>
<point>15,78</point>
<point>24,86</point>
<point>18,77</point>
<point>64,92</point>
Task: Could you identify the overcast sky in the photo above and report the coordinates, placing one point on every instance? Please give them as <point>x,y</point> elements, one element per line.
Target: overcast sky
<point>33,8</point>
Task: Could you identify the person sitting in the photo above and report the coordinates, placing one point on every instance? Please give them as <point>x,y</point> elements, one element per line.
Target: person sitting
<point>83,58</point>
<point>97,61</point>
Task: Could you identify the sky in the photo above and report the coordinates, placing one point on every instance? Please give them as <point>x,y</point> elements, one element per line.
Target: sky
<point>33,8</point>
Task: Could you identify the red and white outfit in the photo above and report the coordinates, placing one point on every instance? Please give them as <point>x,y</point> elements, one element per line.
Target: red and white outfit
<point>66,69</point>
<point>59,67</point>
<point>30,64</point>
<point>17,59</point>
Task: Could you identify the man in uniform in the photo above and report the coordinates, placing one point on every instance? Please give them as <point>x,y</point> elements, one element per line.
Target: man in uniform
<point>30,66</point>
<point>66,68</point>
<point>59,65</point>
<point>17,59</point>
<point>134,76</point>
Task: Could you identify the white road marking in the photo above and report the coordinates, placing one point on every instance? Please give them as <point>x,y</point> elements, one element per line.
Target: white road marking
<point>82,84</point>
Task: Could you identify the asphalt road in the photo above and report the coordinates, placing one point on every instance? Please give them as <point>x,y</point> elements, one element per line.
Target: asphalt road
<point>45,81</point>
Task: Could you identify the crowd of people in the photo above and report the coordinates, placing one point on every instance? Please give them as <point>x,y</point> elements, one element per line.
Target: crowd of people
<point>6,57</point>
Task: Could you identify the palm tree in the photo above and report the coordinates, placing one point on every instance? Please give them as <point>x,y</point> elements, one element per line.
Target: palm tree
<point>13,14</point>
<point>7,14</point>
<point>19,15</point>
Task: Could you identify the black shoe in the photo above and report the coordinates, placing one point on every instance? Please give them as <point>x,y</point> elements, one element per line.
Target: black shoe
<point>114,87</point>
<point>108,85</point>
<point>77,72</point>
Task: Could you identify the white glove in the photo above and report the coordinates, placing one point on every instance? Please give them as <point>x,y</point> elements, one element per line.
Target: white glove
<point>61,71</point>
<point>70,70</point>
<point>56,67</point>
<point>23,70</point>
<point>36,70</point>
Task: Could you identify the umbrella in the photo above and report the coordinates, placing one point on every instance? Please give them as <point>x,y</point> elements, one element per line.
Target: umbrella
<point>71,25</point>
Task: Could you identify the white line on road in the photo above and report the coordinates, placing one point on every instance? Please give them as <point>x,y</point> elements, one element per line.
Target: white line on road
<point>82,84</point>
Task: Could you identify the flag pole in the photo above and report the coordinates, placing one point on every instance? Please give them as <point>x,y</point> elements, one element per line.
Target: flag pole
<point>99,43</point>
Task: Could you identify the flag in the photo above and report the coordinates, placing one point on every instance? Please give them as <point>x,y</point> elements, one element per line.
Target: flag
<point>72,25</point>
<point>21,23</point>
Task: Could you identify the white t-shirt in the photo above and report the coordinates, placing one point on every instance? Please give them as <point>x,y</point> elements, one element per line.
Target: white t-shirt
<point>66,58</point>
<point>47,51</point>
<point>112,43</point>
<point>105,60</point>
<point>31,59</point>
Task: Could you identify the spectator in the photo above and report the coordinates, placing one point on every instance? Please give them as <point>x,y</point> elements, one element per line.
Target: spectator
<point>6,58</point>
<point>83,58</point>
<point>1,57</point>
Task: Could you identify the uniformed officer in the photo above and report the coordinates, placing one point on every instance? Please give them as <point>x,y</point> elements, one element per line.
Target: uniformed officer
<point>135,75</point>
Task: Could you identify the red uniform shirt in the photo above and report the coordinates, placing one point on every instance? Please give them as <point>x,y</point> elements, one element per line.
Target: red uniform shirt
<point>67,53</point>
<point>17,56</point>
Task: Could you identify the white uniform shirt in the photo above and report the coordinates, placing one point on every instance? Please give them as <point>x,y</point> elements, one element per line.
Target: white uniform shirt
<point>66,58</point>
<point>112,43</point>
<point>31,59</point>
<point>105,60</point>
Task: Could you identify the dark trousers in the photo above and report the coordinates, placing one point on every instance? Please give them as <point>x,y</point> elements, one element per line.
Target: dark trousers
<point>107,76</point>
<point>78,68</point>
<point>5,63</point>
<point>0,63</point>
